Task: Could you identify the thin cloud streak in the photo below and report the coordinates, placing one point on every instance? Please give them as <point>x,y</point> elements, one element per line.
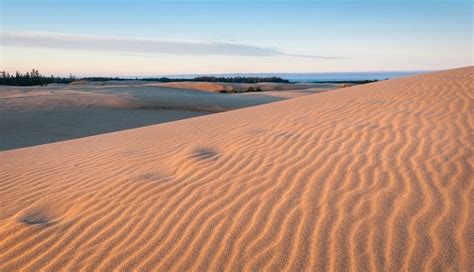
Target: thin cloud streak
<point>143,46</point>
<point>310,56</point>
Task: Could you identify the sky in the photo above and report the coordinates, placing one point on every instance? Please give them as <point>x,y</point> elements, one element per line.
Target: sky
<point>149,38</point>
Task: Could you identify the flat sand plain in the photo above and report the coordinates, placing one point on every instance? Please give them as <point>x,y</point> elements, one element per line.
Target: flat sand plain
<point>39,115</point>
<point>373,177</point>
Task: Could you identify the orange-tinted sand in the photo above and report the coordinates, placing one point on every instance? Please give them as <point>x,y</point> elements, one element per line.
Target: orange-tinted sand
<point>373,177</point>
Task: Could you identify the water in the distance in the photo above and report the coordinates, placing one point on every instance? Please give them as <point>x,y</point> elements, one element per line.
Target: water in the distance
<point>317,77</point>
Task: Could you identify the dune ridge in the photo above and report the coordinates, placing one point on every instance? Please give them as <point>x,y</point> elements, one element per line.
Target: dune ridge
<point>371,177</point>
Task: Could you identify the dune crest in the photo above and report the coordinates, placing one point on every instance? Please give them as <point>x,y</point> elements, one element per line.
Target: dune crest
<point>372,177</point>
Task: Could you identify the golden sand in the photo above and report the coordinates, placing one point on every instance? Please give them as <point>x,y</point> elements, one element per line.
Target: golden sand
<point>373,177</point>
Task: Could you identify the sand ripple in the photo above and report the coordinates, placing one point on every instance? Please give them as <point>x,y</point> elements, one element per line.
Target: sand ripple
<point>374,177</point>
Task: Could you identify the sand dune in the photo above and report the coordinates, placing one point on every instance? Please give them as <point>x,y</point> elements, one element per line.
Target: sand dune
<point>373,177</point>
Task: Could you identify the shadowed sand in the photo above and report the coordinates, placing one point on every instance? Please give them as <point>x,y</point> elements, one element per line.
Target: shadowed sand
<point>373,177</point>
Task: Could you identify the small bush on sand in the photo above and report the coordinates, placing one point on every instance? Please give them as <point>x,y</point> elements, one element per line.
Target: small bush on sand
<point>251,89</point>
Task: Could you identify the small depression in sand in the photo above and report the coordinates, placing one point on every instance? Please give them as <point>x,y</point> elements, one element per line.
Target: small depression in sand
<point>204,154</point>
<point>37,219</point>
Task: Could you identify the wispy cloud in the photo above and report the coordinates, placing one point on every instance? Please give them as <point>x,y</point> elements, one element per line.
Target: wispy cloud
<point>141,46</point>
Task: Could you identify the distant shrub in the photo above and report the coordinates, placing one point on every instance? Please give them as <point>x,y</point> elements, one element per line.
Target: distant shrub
<point>228,91</point>
<point>251,89</point>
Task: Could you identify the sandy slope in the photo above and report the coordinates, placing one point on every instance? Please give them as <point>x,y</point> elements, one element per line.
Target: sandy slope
<point>373,177</point>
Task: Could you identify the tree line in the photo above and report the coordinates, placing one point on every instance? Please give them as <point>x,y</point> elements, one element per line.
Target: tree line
<point>240,79</point>
<point>34,78</point>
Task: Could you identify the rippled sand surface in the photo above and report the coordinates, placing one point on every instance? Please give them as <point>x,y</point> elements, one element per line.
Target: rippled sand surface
<point>373,177</point>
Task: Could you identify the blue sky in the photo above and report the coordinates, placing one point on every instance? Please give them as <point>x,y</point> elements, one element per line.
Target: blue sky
<point>178,37</point>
